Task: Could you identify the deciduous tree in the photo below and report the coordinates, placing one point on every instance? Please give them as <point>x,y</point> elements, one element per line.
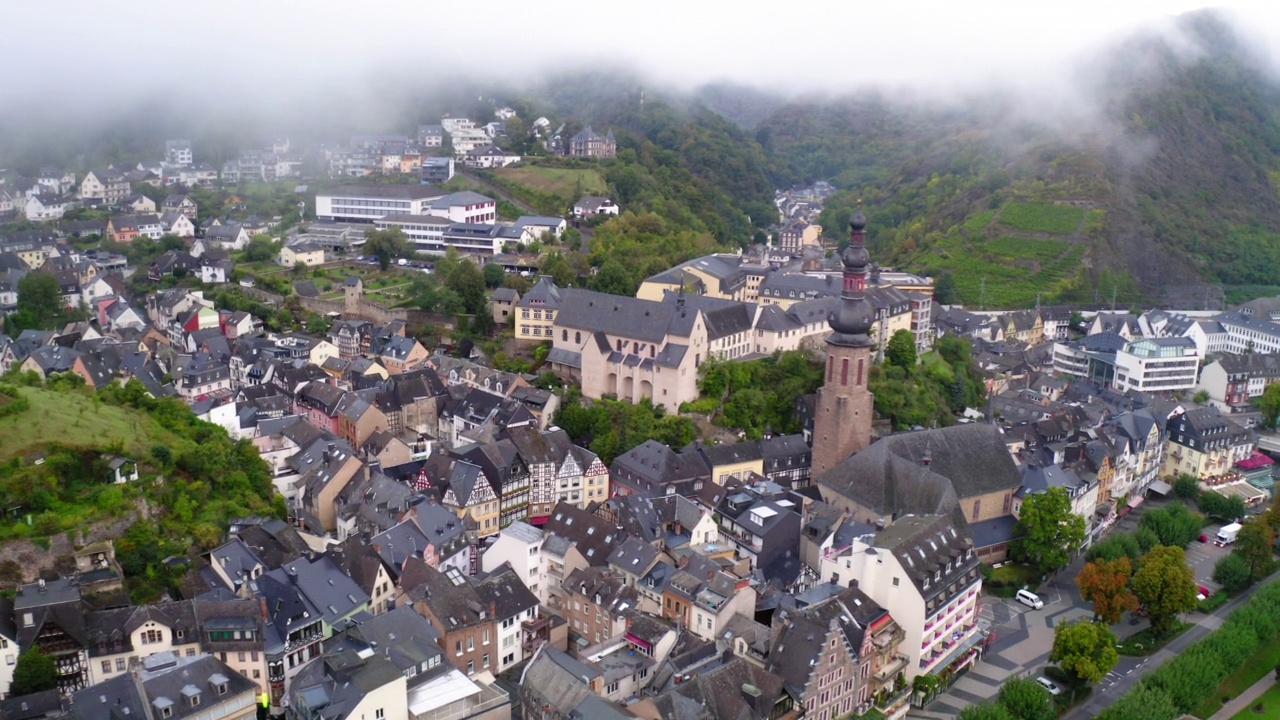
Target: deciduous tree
<point>1105,583</point>
<point>40,304</point>
<point>35,672</point>
<point>1232,573</point>
<point>1027,700</point>
<point>986,711</point>
<point>494,275</point>
<point>1173,524</point>
<point>385,245</point>
<point>1186,487</point>
<point>1048,530</point>
<point>1255,544</point>
<point>901,349</point>
<point>1086,650</point>
<point>1269,403</point>
<point>1165,586</point>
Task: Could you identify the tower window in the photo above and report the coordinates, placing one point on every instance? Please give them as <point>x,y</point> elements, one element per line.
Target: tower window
<point>844,371</point>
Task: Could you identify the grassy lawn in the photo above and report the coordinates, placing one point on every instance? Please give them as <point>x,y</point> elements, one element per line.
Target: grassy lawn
<point>1144,643</point>
<point>72,419</point>
<point>556,181</point>
<point>1262,663</point>
<point>1270,701</point>
<point>1042,217</point>
<point>1007,579</point>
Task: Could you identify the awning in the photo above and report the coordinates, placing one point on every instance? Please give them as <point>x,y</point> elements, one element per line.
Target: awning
<point>1136,500</point>
<point>1160,487</point>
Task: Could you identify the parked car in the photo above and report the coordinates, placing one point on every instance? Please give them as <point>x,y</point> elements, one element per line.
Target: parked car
<point>1204,538</point>
<point>1049,685</point>
<point>1203,592</point>
<point>1030,599</point>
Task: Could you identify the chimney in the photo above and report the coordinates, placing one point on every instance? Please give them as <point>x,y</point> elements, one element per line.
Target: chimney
<point>927,459</point>
<point>41,584</point>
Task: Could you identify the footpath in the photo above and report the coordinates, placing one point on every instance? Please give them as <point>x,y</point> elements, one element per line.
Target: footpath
<point>1245,699</point>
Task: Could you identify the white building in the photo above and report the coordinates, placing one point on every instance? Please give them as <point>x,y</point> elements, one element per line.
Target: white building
<point>369,203</point>
<point>519,545</point>
<point>1249,333</point>
<point>465,140</point>
<point>177,152</point>
<point>926,574</point>
<point>1157,365</point>
<point>1233,381</point>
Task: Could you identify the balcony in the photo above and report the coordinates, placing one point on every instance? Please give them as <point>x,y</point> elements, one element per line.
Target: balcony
<point>888,672</point>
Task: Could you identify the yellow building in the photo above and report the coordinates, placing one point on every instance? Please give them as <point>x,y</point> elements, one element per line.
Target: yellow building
<point>535,313</point>
<point>731,461</point>
<point>719,276</point>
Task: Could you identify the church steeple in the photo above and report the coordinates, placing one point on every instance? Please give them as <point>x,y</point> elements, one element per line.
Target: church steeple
<point>852,317</point>
<point>843,412</point>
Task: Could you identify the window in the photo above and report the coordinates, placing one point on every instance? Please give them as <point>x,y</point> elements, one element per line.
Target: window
<point>485,661</point>
<point>119,664</point>
<point>612,688</point>
<point>458,648</point>
<point>485,640</point>
<point>471,644</point>
<point>379,714</point>
<point>166,712</point>
<point>106,667</point>
<point>191,652</point>
<point>150,637</point>
<point>844,371</point>
<point>471,667</point>
<point>895,582</point>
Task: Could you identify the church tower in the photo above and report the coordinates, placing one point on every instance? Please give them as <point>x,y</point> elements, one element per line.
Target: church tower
<point>843,411</point>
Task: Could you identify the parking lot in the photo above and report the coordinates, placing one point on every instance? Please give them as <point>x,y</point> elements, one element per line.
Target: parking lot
<point>1202,557</point>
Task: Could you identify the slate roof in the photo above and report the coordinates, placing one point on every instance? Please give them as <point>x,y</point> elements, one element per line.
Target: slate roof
<point>891,475</point>
<point>595,537</point>
<point>928,544</point>
<point>163,680</point>
<point>554,678</point>
<point>506,592</point>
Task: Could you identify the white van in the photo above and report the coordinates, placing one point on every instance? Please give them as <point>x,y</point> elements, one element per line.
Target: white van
<point>1030,599</point>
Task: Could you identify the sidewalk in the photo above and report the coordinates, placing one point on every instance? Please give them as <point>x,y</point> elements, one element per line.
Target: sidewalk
<point>1246,698</point>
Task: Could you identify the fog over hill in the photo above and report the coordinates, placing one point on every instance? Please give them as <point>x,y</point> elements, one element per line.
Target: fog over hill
<point>959,124</point>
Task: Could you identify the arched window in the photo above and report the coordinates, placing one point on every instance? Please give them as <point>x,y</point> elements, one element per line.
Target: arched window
<point>564,335</point>
<point>577,338</point>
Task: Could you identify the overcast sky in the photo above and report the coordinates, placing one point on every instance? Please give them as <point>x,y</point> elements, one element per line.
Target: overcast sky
<point>85,52</point>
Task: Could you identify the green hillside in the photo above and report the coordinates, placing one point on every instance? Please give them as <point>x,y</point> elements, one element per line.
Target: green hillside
<point>1171,194</point>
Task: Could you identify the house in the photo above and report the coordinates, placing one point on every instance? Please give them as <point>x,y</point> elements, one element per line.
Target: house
<point>457,611</point>
<point>183,204</point>
<point>39,208</point>
<point>177,152</point>
<point>596,605</point>
<point>926,570</point>
<point>169,686</point>
<point>588,144</point>
<point>555,684</point>
<point>8,646</point>
<point>515,608</point>
<point>175,223</point>
<point>50,615</point>
<point>489,156</point>
<point>108,187</point>
<point>794,235</point>
<point>591,206</point>
<point>436,170</point>
<point>139,204</point>
<point>399,354</point>
<point>848,635</point>
<point>228,236</point>
<point>123,470</point>
<point>536,225</point>
<point>214,271</point>
<point>308,254</point>
<point>125,228</point>
<point>431,135</point>
<point>503,303</point>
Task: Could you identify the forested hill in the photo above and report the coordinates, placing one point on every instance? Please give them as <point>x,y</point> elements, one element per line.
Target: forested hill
<point>1169,194</point>
<point>680,159</point>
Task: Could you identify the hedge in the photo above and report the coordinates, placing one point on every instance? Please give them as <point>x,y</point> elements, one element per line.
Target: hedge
<point>1181,684</point>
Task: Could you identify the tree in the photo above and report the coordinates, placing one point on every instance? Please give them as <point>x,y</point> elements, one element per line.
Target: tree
<point>1086,650</point>
<point>558,266</point>
<point>613,278</point>
<point>1201,397</point>
<point>35,672</point>
<point>1232,573</point>
<point>468,282</point>
<point>40,304</point>
<point>260,248</point>
<point>1105,583</point>
<point>1186,487</point>
<point>1165,586</point>
<point>1269,403</point>
<point>1216,505</point>
<point>945,290</point>
<point>1255,544</point>
<point>385,245</point>
<point>901,350</point>
<point>1173,524</point>
<point>1048,530</point>
<point>1027,700</point>
<point>494,275</point>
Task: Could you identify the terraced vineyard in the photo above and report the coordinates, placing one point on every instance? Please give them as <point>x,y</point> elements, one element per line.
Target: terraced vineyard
<point>1015,270</point>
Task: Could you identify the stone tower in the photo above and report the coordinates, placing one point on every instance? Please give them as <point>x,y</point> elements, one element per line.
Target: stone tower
<point>843,411</point>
